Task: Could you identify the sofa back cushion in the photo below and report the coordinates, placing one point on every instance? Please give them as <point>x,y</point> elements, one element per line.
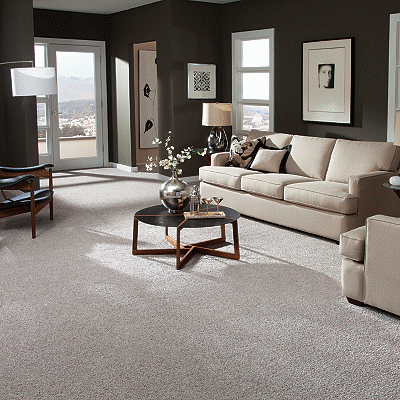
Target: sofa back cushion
<point>359,157</point>
<point>272,139</point>
<point>309,156</point>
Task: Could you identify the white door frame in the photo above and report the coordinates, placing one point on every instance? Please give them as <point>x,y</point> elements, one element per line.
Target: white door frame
<point>394,69</point>
<point>102,125</point>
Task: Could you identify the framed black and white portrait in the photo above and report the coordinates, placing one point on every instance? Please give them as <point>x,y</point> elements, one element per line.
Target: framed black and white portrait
<point>201,81</point>
<point>328,81</point>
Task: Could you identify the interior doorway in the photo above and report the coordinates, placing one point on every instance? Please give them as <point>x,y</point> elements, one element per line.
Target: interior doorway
<point>72,125</point>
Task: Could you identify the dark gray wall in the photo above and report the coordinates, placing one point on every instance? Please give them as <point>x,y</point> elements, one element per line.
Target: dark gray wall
<point>187,31</point>
<point>70,25</point>
<point>18,129</point>
<point>297,21</point>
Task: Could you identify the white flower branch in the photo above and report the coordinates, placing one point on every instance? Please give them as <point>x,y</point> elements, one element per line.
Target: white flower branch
<point>171,162</point>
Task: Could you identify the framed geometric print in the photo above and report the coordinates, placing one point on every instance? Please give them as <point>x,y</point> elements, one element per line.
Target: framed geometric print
<point>201,81</point>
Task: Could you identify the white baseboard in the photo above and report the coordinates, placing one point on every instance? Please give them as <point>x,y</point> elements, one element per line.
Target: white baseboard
<point>124,167</point>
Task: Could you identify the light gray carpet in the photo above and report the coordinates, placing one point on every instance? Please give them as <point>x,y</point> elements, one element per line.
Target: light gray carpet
<point>82,318</point>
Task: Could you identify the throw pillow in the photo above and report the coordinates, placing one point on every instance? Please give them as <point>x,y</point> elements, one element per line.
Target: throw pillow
<point>241,151</point>
<point>269,159</point>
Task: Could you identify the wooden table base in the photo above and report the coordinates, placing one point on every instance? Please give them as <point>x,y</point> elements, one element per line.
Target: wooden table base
<point>188,249</point>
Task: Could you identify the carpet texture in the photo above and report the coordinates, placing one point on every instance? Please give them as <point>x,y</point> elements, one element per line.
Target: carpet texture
<point>82,318</point>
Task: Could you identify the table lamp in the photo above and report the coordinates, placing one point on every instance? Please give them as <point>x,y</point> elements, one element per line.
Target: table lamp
<point>217,115</point>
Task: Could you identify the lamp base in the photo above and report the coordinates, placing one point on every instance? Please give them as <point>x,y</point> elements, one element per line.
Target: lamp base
<point>217,140</point>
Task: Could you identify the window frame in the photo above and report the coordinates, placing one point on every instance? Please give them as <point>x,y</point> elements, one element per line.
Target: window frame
<point>394,75</point>
<point>237,72</point>
<point>46,100</point>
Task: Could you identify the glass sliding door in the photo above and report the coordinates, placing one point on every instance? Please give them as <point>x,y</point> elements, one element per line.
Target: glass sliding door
<point>71,123</point>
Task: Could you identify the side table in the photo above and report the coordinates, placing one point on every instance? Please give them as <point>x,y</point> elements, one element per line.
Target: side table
<point>206,156</point>
<point>395,189</point>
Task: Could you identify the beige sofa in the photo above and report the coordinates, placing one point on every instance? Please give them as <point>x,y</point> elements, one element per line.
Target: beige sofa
<point>371,263</point>
<point>330,186</point>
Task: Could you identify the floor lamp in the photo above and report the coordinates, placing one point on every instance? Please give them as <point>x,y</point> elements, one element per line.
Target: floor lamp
<point>28,81</point>
<point>32,81</point>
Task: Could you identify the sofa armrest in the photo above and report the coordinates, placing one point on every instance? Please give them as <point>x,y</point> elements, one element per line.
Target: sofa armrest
<point>373,197</point>
<point>219,158</point>
<point>382,263</point>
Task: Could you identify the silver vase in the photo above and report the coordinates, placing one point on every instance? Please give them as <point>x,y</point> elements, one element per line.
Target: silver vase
<point>174,194</point>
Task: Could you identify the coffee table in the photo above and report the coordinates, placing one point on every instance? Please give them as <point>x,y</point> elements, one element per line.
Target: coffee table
<point>159,216</point>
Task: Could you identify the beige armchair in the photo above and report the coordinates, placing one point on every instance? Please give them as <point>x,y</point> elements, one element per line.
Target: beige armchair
<point>371,263</point>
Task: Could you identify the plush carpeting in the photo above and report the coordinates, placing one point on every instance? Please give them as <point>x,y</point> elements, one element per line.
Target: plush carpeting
<point>82,318</point>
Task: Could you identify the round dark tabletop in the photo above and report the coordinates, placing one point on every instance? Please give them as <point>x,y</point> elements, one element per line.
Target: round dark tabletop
<point>389,186</point>
<point>160,216</point>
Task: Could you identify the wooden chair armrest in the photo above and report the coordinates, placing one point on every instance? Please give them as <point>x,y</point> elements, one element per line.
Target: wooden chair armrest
<point>26,169</point>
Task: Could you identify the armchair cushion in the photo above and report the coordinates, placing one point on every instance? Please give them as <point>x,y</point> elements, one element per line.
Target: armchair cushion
<point>24,199</point>
<point>27,200</point>
<point>352,244</point>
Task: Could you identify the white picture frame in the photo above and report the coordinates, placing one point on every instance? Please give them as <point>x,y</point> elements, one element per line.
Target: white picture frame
<point>202,81</point>
<point>148,101</point>
<point>328,81</point>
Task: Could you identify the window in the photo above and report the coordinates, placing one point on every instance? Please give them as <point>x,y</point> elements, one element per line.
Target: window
<point>253,81</point>
<point>394,75</point>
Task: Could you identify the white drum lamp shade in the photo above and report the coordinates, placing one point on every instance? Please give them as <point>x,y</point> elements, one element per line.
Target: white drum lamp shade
<point>33,81</point>
<point>217,114</point>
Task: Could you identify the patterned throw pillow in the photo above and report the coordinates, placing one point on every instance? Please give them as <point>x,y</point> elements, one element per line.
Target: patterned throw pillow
<point>241,151</point>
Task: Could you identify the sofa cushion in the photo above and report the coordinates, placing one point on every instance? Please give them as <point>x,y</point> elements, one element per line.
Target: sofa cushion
<point>270,185</point>
<point>269,159</point>
<point>224,176</point>
<point>272,139</point>
<point>329,196</point>
<point>357,157</point>
<point>309,156</point>
<point>241,151</point>
<point>352,244</point>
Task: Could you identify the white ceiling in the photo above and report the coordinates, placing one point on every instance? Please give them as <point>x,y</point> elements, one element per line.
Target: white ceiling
<point>101,6</point>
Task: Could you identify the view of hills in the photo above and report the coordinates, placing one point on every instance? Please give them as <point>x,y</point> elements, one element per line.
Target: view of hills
<point>75,109</point>
<point>73,88</point>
